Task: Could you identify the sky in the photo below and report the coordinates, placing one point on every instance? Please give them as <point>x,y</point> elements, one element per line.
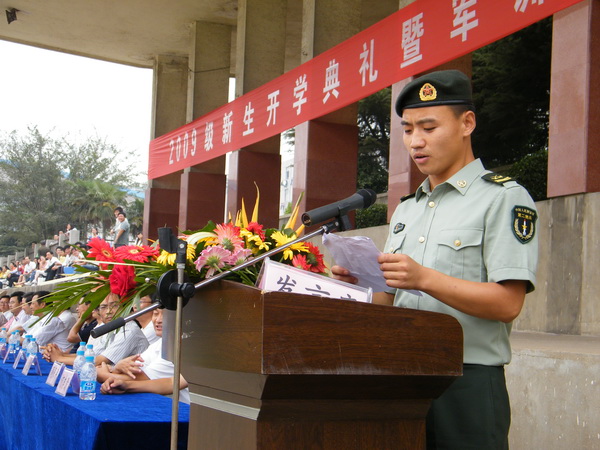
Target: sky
<point>67,95</point>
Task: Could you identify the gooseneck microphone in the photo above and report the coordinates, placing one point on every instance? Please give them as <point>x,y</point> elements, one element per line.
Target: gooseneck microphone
<point>362,199</point>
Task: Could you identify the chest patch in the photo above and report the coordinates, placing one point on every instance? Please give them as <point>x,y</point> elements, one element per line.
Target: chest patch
<point>523,223</point>
<point>398,227</point>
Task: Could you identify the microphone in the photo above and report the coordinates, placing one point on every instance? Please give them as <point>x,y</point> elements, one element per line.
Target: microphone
<point>362,199</point>
<point>112,325</point>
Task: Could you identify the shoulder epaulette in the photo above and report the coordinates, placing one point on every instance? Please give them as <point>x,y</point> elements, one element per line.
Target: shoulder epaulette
<point>406,197</point>
<point>497,178</point>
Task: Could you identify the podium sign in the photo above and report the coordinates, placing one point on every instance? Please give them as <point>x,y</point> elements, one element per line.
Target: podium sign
<point>272,370</point>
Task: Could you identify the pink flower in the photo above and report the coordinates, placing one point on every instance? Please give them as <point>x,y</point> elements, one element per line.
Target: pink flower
<point>214,258</point>
<point>240,256</point>
<point>228,237</point>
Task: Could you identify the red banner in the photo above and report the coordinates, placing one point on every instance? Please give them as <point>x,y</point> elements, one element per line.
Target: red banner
<point>421,36</point>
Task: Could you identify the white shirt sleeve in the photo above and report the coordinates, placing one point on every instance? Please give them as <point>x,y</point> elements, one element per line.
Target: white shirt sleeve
<point>127,341</point>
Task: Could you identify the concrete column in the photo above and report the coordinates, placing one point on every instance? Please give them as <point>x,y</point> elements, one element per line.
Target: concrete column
<point>326,149</point>
<point>573,157</point>
<point>404,177</point>
<point>261,37</point>
<point>168,112</point>
<point>203,186</point>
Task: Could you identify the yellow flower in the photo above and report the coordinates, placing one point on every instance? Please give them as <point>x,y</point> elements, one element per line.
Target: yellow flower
<point>281,239</point>
<point>168,259</point>
<point>254,242</point>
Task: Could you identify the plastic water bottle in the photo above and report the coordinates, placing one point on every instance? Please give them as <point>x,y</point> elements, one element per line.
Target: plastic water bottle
<point>89,351</point>
<point>3,336</point>
<point>81,346</point>
<point>12,342</point>
<point>79,361</point>
<point>32,348</point>
<point>26,341</point>
<point>17,341</point>
<point>87,380</point>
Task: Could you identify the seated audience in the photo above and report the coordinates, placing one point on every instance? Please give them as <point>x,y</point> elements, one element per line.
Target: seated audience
<point>112,347</point>
<point>146,372</point>
<point>80,332</point>
<point>49,330</point>
<point>20,314</point>
<point>52,265</point>
<point>145,320</point>
<point>4,309</point>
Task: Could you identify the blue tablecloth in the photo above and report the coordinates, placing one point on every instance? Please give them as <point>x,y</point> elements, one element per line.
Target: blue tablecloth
<point>34,417</point>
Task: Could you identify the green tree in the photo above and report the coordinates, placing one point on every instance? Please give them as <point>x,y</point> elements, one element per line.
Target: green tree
<point>511,86</point>
<point>96,201</point>
<point>135,216</point>
<point>47,183</point>
<point>374,141</point>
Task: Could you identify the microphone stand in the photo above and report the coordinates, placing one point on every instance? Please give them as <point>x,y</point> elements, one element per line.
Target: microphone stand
<point>183,291</point>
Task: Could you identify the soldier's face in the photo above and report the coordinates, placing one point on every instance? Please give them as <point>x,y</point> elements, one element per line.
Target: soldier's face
<point>437,140</point>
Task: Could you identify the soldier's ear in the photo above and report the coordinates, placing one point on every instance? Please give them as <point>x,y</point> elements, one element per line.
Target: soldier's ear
<point>469,122</point>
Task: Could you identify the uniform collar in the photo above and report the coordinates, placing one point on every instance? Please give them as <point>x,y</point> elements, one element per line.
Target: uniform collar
<point>461,180</point>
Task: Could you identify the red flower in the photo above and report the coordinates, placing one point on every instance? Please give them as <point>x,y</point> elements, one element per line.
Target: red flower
<point>122,280</point>
<point>136,253</point>
<point>100,250</point>
<point>256,228</point>
<point>315,259</point>
<point>300,262</point>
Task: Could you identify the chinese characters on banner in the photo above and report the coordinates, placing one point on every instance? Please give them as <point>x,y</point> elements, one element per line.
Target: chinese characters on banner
<point>421,36</point>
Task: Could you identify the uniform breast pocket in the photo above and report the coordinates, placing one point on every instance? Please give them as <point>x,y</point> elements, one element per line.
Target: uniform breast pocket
<point>396,244</point>
<point>459,253</point>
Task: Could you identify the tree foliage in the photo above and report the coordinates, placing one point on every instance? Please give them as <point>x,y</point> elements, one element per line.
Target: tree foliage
<point>47,183</point>
<point>374,141</point>
<point>511,81</point>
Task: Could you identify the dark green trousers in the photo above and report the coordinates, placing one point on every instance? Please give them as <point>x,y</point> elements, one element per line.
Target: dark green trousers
<point>474,413</point>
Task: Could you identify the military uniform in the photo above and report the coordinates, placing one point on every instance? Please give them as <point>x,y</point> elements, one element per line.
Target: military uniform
<point>474,226</point>
<point>475,229</point>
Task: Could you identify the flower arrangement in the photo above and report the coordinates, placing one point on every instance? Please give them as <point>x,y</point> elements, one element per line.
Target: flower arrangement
<point>133,271</point>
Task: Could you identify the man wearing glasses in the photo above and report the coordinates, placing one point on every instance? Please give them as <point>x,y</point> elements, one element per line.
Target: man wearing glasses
<point>112,347</point>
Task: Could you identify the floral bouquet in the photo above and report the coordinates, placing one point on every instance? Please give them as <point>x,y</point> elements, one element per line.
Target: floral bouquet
<point>133,271</point>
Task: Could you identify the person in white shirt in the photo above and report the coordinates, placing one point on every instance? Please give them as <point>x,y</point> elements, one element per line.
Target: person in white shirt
<point>111,347</point>
<point>145,320</point>
<point>146,372</point>
<point>21,311</point>
<point>49,330</point>
<point>5,314</point>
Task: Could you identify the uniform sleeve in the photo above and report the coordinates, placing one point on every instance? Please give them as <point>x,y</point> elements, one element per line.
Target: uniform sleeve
<point>510,247</point>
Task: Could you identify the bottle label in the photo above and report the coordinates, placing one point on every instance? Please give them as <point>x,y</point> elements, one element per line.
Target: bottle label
<point>87,387</point>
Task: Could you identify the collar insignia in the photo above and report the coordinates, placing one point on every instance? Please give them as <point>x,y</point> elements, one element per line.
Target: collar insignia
<point>427,93</point>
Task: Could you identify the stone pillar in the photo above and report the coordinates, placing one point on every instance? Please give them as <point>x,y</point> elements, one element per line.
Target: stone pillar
<point>168,112</point>
<point>326,149</point>
<point>202,196</point>
<point>404,177</point>
<point>261,37</point>
<point>573,157</point>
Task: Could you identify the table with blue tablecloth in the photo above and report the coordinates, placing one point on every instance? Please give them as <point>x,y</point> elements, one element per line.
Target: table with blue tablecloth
<point>34,417</point>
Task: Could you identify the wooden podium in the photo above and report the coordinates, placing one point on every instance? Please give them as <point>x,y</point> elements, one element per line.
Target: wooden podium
<point>285,371</point>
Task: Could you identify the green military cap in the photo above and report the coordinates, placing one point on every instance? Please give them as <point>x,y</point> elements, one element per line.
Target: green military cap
<point>444,87</point>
